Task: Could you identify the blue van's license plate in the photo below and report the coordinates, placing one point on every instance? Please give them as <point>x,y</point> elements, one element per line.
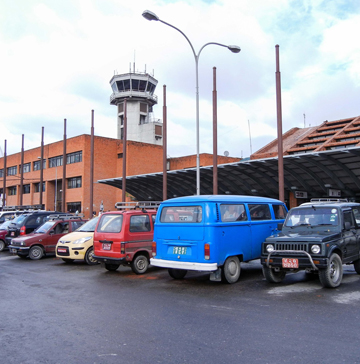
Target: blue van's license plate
<point>179,250</point>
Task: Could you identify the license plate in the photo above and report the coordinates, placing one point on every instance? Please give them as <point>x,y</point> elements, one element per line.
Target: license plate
<point>12,233</point>
<point>14,251</point>
<point>106,246</point>
<point>290,263</point>
<point>181,250</point>
<point>60,250</point>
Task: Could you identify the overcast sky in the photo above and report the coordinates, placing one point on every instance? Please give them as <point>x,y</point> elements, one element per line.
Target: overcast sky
<point>57,58</point>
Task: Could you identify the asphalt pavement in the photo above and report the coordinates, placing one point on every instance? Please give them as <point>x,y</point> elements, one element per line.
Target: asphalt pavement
<point>60,313</point>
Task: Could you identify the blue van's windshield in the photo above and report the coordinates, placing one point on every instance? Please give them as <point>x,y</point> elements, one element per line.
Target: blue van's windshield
<point>181,214</point>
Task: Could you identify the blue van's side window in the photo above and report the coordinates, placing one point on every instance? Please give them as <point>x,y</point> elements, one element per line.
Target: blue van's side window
<point>279,211</point>
<point>181,214</point>
<point>259,212</point>
<point>232,212</point>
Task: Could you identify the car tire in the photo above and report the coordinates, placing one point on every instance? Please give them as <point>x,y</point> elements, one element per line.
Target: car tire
<point>231,270</point>
<point>177,273</point>
<point>331,276</point>
<point>111,267</point>
<point>67,260</point>
<point>272,276</point>
<point>357,266</point>
<point>36,252</point>
<point>140,264</point>
<point>2,245</point>
<point>89,257</point>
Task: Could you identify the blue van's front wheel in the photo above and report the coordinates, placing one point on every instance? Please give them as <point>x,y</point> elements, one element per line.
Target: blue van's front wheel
<point>230,272</point>
<point>177,273</point>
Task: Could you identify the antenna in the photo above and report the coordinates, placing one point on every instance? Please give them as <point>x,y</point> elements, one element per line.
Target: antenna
<point>134,61</point>
<point>250,137</point>
<point>226,153</point>
<point>304,120</point>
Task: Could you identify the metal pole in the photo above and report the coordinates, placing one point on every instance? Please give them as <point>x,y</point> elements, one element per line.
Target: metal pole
<point>64,172</point>
<point>215,153</point>
<point>4,180</point>
<point>164,147</point>
<point>91,210</point>
<point>22,171</point>
<point>123,187</point>
<point>279,127</point>
<point>55,209</point>
<point>41,168</point>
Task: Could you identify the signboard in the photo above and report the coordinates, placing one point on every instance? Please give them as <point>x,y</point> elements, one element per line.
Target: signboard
<point>334,193</point>
<point>301,194</point>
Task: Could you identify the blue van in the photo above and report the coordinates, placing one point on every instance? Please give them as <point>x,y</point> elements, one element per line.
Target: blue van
<point>213,233</point>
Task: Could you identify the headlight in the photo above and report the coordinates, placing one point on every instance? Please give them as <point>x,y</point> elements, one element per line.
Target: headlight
<point>23,243</point>
<point>270,248</point>
<point>315,249</point>
<point>82,240</point>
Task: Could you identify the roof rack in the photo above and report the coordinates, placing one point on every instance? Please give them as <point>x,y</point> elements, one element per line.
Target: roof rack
<point>137,205</point>
<point>63,217</point>
<point>329,200</point>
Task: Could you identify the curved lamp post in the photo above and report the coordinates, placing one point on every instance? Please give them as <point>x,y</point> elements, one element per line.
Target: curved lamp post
<point>233,48</point>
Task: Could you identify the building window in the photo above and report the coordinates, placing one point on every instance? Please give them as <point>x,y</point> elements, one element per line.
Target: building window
<point>37,165</point>
<point>56,161</point>
<point>142,119</point>
<point>74,182</point>
<point>26,189</point>
<point>1,172</point>
<point>120,155</point>
<point>26,167</point>
<point>73,206</point>
<point>122,134</point>
<point>37,187</point>
<point>74,157</point>
<point>12,190</point>
<point>12,171</point>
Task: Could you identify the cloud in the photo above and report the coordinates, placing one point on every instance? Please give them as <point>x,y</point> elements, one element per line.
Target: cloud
<point>58,59</point>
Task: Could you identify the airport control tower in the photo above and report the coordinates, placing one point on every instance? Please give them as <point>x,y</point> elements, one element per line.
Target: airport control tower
<point>138,90</point>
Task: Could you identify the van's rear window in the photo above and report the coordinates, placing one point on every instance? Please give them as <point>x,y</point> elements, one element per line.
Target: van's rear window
<point>110,223</point>
<point>181,214</point>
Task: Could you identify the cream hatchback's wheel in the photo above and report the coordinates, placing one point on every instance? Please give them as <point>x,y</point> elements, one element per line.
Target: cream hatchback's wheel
<point>89,257</point>
<point>230,272</point>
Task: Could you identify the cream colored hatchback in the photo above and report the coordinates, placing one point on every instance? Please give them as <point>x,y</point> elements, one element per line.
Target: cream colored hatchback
<point>79,244</point>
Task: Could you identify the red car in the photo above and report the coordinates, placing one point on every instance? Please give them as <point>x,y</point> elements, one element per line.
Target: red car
<point>125,238</point>
<point>3,233</point>
<point>43,240</point>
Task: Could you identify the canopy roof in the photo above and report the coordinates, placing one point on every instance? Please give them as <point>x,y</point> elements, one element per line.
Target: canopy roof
<point>314,173</point>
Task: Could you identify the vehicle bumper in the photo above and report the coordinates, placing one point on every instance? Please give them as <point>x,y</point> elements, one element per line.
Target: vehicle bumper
<point>19,250</point>
<point>71,253</point>
<point>8,241</point>
<point>206,267</point>
<point>110,260</point>
<point>305,260</point>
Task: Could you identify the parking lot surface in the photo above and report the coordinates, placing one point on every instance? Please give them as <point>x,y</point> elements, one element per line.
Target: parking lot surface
<point>54,312</point>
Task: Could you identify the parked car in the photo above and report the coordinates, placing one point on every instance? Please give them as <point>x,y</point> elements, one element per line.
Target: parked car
<point>42,241</point>
<point>28,222</point>
<point>78,244</point>
<point>3,233</point>
<point>125,238</point>
<point>318,237</point>
<point>7,215</point>
<point>213,233</point>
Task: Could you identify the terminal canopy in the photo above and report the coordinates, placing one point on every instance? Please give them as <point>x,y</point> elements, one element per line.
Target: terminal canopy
<point>334,173</point>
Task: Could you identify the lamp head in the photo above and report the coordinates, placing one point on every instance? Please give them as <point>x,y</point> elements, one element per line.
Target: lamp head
<point>149,15</point>
<point>234,48</point>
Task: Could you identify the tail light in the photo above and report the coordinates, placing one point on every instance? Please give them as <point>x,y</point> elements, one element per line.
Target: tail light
<point>22,230</point>
<point>122,249</point>
<point>207,251</point>
<point>153,249</point>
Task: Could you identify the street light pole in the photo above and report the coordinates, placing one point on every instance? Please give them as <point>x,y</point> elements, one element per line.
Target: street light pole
<point>233,48</point>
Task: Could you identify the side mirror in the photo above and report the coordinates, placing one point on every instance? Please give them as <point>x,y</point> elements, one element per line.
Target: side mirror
<point>280,226</point>
<point>347,225</point>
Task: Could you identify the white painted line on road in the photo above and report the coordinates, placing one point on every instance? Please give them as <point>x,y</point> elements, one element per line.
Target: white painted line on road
<point>294,288</point>
<point>347,298</point>
<point>9,258</point>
